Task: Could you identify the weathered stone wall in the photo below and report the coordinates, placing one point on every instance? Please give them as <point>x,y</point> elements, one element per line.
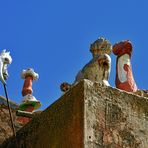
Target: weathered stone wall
<point>88,116</point>
<point>114,118</point>
<point>59,126</point>
<point>5,124</point>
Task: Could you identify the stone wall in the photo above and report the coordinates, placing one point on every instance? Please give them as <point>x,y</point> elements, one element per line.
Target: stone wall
<point>5,124</point>
<point>114,118</point>
<point>88,116</point>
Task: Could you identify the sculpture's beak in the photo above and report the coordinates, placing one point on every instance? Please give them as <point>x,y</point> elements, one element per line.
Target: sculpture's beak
<point>1,73</point>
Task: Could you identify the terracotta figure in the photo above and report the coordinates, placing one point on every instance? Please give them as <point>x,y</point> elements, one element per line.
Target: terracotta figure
<point>124,75</point>
<point>29,103</point>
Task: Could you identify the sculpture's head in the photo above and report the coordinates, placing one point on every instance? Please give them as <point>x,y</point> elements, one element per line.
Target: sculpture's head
<point>123,47</point>
<point>5,59</point>
<point>65,86</point>
<point>104,61</point>
<point>100,46</point>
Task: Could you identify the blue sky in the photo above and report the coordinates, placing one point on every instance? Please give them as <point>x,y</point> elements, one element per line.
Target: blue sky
<point>54,36</point>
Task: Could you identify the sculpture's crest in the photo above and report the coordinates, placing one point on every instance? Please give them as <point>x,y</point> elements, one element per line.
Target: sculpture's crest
<point>100,46</point>
<point>5,59</point>
<point>123,47</point>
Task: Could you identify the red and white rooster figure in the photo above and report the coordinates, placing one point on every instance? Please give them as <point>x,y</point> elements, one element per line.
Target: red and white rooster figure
<point>124,75</point>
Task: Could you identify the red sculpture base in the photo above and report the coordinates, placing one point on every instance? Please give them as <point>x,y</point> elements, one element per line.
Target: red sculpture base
<point>25,120</point>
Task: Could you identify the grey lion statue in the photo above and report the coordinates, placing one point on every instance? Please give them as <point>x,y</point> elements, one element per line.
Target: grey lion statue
<point>5,59</point>
<point>98,69</point>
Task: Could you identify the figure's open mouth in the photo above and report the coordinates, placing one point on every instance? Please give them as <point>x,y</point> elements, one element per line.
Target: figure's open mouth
<point>105,64</point>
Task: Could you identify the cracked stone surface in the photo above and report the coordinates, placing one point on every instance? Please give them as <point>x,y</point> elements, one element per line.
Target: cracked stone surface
<point>114,118</point>
<point>89,115</point>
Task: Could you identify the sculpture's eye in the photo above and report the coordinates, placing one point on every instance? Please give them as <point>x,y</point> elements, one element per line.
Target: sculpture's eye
<point>6,60</point>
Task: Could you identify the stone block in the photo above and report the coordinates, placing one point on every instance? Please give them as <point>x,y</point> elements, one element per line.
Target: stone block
<point>89,115</point>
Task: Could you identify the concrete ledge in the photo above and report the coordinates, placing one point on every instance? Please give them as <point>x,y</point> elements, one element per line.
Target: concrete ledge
<point>3,101</point>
